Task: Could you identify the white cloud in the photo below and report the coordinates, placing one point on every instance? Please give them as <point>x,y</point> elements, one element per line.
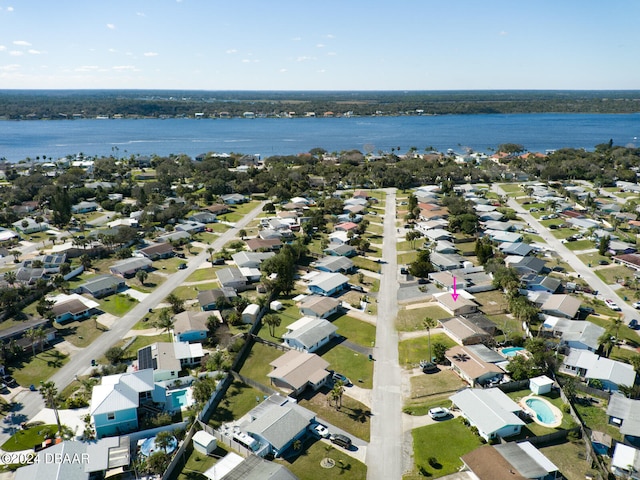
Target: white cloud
<point>304,58</point>
<point>2,48</point>
<point>87,68</point>
<point>503,33</point>
<point>122,68</point>
<point>34,52</point>
<point>9,9</point>
<point>320,45</point>
<point>15,53</point>
<point>231,51</point>
<point>21,43</point>
<point>150,54</point>
<point>12,67</point>
<point>111,26</point>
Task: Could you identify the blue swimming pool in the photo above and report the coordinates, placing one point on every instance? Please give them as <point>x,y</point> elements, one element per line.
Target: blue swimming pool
<point>149,446</point>
<point>511,351</point>
<point>543,412</point>
<point>179,399</point>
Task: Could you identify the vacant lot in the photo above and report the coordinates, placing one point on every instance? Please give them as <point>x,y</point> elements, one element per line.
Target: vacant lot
<point>355,330</point>
<point>32,370</point>
<point>434,383</point>
<point>118,304</point>
<point>411,319</point>
<point>412,351</point>
<point>357,367</point>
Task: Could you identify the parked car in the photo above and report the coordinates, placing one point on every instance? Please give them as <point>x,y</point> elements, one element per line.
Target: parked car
<point>404,271</point>
<point>339,377</point>
<point>341,440</point>
<point>10,381</point>
<point>438,413</point>
<point>321,430</point>
<point>636,305</point>
<point>612,305</point>
<point>182,266</point>
<point>634,325</point>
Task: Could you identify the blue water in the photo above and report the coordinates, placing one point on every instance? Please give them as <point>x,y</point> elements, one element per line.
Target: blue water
<point>511,351</point>
<point>271,136</point>
<point>179,399</point>
<point>543,412</point>
<point>149,446</point>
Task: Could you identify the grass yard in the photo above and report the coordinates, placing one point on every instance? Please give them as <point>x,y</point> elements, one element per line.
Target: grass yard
<point>410,319</point>
<point>613,273</point>
<point>412,351</point>
<point>491,301</point>
<point>117,304</point>
<point>198,463</point>
<point>420,407</point>
<point>570,459</point>
<point>366,264</point>
<point>80,333</point>
<point>287,316</point>
<point>256,366</point>
<point>595,417</point>
<point>27,439</point>
<point>593,258</point>
<point>624,332</point>
<point>306,465</point>
<point>562,233</point>
<point>355,330</point>
<point>353,417</point>
<point>580,245</point>
<point>511,188</point>
<point>239,399</point>
<point>168,265</point>
<point>428,442</point>
<point>202,274</point>
<point>354,365</point>
<point>434,383</point>
<point>404,246</point>
<point>32,370</point>
<point>370,283</point>
<point>407,258</point>
<point>190,292</point>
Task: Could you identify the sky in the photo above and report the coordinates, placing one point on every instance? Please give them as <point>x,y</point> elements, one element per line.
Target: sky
<point>328,45</point>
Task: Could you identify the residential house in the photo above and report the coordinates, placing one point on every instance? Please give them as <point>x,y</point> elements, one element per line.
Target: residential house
<point>520,249</point>
<point>190,227</point>
<point>51,263</point>
<point>308,334</point>
<point>167,359</point>
<point>625,413</point>
<point>70,311</point>
<point>445,247</point>
<point>129,267</point>
<point>541,283</point>
<point>339,237</point>
<point>175,237</point>
<point>157,251</point>
<point>270,234</point>
<point>101,286</point>
<point>85,207</point>
<point>250,259</point>
<point>276,424</point>
<point>190,326</point>
<point>319,306</point>
<point>327,284</point>
<point>233,199</point>
<point>590,366</point>
<point>443,261</point>
<point>7,235</point>
<point>471,367</point>
<point>232,277</point>
<point>31,226</point>
<point>341,250</point>
<point>334,264</point>
<point>491,411</point>
<point>460,306</point>
<point>576,334</point>
<point>511,460</point>
<point>211,299</point>
<point>561,306</point>
<point>526,265</point>
<point>294,371</point>
<point>503,237</point>
<point>203,217</point>
<point>235,467</point>
<point>218,209</point>
<point>115,401</point>
<point>258,244</point>
<point>27,344</point>
<point>499,226</point>
<point>436,234</point>
<point>29,275</point>
<point>470,279</point>
<point>631,260</point>
<point>625,462</point>
<point>464,332</point>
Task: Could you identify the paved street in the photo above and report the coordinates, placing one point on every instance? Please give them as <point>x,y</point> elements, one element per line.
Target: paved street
<point>384,454</point>
<point>28,403</point>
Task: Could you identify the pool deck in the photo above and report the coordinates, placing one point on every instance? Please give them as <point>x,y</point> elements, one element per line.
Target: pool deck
<point>557,414</point>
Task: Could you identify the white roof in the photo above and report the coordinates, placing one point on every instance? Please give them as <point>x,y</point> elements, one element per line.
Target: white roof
<point>63,297</point>
<point>120,392</point>
<point>489,410</point>
<point>538,456</point>
<point>601,368</point>
<point>625,456</point>
<point>327,281</point>
<point>541,380</point>
<point>187,350</point>
<point>224,466</point>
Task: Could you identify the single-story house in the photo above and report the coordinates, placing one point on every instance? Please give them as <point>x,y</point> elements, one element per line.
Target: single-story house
<point>625,413</point>
<point>463,331</point>
<point>294,371</point>
<point>561,306</point>
<point>511,460</point>
<point>327,284</point>
<point>581,335</point>
<point>541,283</point>
<point>85,207</point>
<point>436,234</point>
<point>7,235</point>
<point>177,236</point>
<point>101,286</point>
<point>471,279</point>
<point>338,237</point>
<point>445,261</point>
<point>250,259</point>
<point>115,402</point>
<point>342,250</point>
<point>590,366</point>
<point>334,264</point>
<point>130,266</point>
<point>157,251</point>
<point>520,249</point>
<point>70,311</point>
<point>233,198</point>
<point>308,334</point>
<point>232,277</point>
<point>503,237</point>
<point>234,467</point>
<point>31,226</point>
<point>190,326</point>
<point>461,306</point>
<point>203,217</point>
<point>258,244</point>
<point>471,367</point>
<point>18,333</point>
<point>490,410</point>
<point>167,359</point>
<point>319,306</point>
<point>526,265</point>
<point>499,226</point>
<point>51,263</point>
<point>631,260</point>
<point>190,227</point>
<point>218,209</point>
<point>210,299</point>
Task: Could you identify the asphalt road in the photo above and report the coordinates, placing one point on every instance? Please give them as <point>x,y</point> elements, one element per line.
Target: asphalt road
<point>28,404</point>
<point>384,454</point>
<point>585,272</point>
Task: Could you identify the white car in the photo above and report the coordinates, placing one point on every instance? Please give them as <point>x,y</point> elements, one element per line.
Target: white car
<point>612,305</point>
<point>321,430</point>
<point>636,305</point>
<point>439,412</point>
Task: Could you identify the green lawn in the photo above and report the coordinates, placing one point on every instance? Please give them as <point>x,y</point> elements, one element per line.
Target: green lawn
<point>412,351</point>
<point>624,332</point>
<point>239,399</point>
<point>595,417</point>
<point>410,319</point>
<point>370,283</point>
<point>32,370</point>
<point>407,258</point>
<point>81,333</point>
<point>434,383</point>
<point>404,246</point>
<point>168,265</point>
<point>366,264</point>
<point>420,407</point>
<point>511,188</point>
<point>580,245</point>
<point>353,416</point>
<point>613,273</point>
<point>306,466</point>
<point>191,292</point>
<point>142,341</point>
<point>355,330</point>
<point>562,233</point>
<point>256,366</point>
<point>202,274</point>
<point>593,258</point>
<point>287,316</point>
<point>354,365</point>
<point>570,459</point>
<point>27,439</point>
<point>198,463</point>
<point>428,442</point>
<point>117,304</point>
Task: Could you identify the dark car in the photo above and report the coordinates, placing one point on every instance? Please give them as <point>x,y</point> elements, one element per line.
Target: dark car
<point>182,266</point>
<point>341,440</point>
<point>10,381</point>
<point>634,325</point>
<point>404,271</point>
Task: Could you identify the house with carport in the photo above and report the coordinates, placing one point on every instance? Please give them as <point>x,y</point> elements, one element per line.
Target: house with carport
<point>472,366</point>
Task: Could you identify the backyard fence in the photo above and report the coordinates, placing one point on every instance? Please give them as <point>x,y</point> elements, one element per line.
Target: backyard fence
<point>253,383</point>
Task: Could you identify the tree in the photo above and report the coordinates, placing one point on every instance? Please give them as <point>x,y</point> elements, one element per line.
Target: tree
<point>164,439</point>
<point>61,207</point>
<point>422,266</point>
<point>89,432</point>
<point>203,387</point>
<point>164,322</point>
<point>439,350</point>
<point>32,335</point>
<point>242,233</point>
<point>177,304</point>
<point>49,393</point>
<point>635,363</point>
<point>158,462</point>
<point>603,244</point>
<point>336,394</point>
<point>210,252</point>
<point>606,342</point>
<point>10,277</point>
<point>85,261</point>
<point>411,236</point>
<point>114,355</point>
<point>40,335</point>
<point>16,255</point>
<point>142,276</point>
<point>44,307</point>
<point>428,324</point>
<point>272,321</point>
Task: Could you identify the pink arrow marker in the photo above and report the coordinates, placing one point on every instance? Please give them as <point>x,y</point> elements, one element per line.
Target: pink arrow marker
<point>455,293</point>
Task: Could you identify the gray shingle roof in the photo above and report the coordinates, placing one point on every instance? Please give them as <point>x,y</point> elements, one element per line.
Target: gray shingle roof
<point>279,424</point>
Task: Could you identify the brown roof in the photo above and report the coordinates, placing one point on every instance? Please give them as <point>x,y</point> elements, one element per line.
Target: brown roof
<point>189,320</point>
<point>297,368</point>
<point>157,249</point>
<point>469,363</point>
<point>488,464</point>
<point>632,258</point>
<point>218,208</point>
<point>72,306</point>
<point>462,328</point>
<point>257,243</point>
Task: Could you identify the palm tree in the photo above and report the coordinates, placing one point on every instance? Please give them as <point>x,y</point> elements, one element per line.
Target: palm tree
<point>164,322</point>
<point>429,323</point>
<point>242,233</point>
<point>16,255</point>
<point>336,394</point>
<point>142,276</point>
<point>177,304</point>
<point>31,335</point>
<point>272,321</point>
<point>606,342</point>
<point>49,393</point>
<point>210,252</point>
<point>10,277</point>
<point>41,335</point>
<point>164,440</point>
